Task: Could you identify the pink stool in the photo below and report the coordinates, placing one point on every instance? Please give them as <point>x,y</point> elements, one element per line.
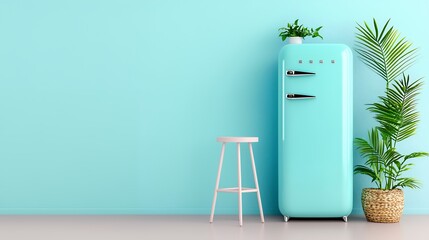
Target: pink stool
<point>238,189</point>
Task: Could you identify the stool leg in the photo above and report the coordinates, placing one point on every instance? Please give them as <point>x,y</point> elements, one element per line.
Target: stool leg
<point>240,207</point>
<point>255,177</point>
<point>217,182</point>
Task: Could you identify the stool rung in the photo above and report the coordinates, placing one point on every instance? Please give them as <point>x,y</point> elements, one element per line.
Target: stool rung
<point>235,189</point>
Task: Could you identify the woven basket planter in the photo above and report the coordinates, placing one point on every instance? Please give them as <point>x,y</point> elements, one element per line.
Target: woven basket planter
<point>382,206</point>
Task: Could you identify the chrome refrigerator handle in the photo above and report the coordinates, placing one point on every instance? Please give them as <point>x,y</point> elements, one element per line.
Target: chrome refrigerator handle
<point>293,96</point>
<point>293,73</point>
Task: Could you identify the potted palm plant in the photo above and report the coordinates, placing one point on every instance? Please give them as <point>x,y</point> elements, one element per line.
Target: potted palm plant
<point>296,32</point>
<point>389,56</point>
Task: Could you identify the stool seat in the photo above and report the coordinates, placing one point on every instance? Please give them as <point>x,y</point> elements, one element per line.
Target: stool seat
<point>238,139</point>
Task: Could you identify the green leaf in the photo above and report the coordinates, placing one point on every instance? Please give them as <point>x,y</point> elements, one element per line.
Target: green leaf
<point>396,112</point>
<point>407,182</point>
<point>388,54</point>
<point>361,169</point>
<point>416,155</point>
<point>365,170</point>
<point>296,30</point>
<point>376,28</point>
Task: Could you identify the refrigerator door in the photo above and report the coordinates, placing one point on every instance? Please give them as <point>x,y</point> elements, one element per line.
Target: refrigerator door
<point>315,130</point>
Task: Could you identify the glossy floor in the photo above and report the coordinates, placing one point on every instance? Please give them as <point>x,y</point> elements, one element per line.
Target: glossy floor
<point>198,227</point>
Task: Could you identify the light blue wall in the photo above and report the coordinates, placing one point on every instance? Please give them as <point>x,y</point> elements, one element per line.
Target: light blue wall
<point>114,106</point>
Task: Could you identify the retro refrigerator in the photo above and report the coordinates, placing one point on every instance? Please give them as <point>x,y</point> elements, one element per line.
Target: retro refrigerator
<point>315,130</point>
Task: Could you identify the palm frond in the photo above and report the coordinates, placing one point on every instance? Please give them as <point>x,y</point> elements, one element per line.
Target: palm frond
<point>373,151</point>
<point>391,156</point>
<point>416,155</point>
<point>407,182</point>
<point>366,171</point>
<point>396,112</point>
<point>384,51</point>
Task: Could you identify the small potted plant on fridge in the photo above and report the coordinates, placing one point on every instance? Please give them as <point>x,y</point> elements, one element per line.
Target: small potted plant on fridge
<point>296,32</point>
<point>388,55</point>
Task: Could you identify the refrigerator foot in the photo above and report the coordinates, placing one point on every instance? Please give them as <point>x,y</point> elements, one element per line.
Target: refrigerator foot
<point>286,218</point>
<point>345,218</point>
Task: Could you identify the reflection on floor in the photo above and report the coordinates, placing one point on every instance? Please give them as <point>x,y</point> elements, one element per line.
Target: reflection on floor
<point>198,227</point>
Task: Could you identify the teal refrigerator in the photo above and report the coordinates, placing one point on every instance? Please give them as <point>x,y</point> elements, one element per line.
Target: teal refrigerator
<point>315,122</point>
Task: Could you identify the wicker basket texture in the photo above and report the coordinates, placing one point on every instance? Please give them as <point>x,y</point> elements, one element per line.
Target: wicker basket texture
<point>382,206</point>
